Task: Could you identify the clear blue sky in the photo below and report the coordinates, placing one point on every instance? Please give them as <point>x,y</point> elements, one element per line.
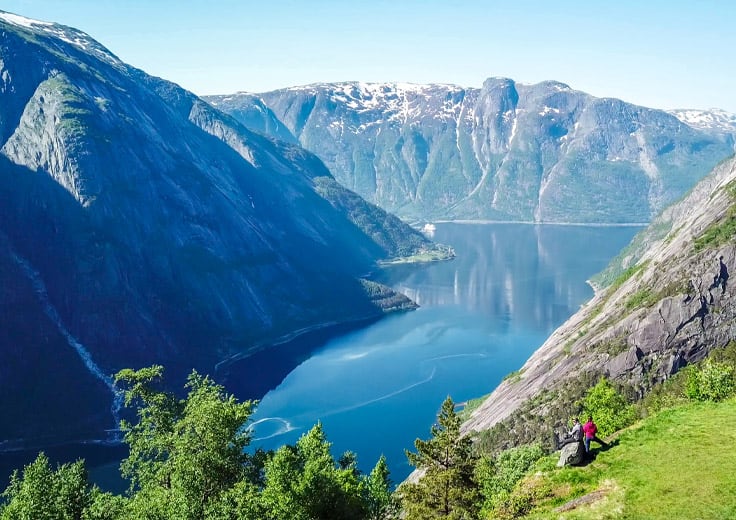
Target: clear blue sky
<point>657,53</point>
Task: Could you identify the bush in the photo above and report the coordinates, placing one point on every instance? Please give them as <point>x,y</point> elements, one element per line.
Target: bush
<point>610,410</point>
<point>498,476</point>
<point>712,381</point>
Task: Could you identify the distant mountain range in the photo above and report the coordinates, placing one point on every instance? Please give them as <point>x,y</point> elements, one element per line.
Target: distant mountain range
<point>715,119</point>
<point>506,151</point>
<point>139,225</point>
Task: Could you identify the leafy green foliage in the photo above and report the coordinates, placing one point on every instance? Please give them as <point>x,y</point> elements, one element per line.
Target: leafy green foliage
<point>711,381</point>
<point>188,461</point>
<point>664,395</point>
<point>104,506</point>
<point>722,231</point>
<point>529,426</point>
<point>183,453</point>
<point>41,493</point>
<point>610,410</point>
<point>304,482</point>
<point>498,476</point>
<point>448,488</point>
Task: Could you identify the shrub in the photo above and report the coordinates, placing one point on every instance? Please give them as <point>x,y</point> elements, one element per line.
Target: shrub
<point>712,381</point>
<point>498,476</point>
<point>610,410</point>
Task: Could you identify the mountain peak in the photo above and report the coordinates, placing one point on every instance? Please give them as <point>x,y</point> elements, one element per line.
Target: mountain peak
<point>22,21</point>
<point>69,35</point>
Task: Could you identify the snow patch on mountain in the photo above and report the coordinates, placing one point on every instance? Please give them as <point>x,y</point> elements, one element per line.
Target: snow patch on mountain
<point>400,102</point>
<point>70,35</point>
<point>713,119</point>
<point>22,20</point>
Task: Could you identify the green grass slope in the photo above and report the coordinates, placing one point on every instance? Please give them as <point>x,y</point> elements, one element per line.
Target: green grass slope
<point>678,464</point>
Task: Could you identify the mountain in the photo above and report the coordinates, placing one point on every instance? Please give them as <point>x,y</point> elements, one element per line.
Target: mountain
<point>506,151</point>
<point>670,304</point>
<point>139,225</point>
<point>714,119</point>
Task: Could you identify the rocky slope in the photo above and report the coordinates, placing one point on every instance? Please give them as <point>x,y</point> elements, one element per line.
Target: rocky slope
<point>506,151</point>
<point>661,313</point>
<point>139,225</point>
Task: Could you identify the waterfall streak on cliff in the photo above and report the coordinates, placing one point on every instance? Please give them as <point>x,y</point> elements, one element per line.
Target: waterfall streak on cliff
<point>40,289</point>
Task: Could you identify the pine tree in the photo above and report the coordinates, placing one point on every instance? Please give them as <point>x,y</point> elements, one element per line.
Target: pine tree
<point>381,502</point>
<point>447,488</point>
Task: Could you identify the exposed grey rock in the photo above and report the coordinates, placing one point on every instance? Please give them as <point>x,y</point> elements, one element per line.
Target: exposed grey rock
<point>624,362</point>
<point>667,314</point>
<point>571,454</point>
<point>506,151</point>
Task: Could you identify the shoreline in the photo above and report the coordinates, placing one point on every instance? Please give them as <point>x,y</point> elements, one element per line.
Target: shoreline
<point>288,338</point>
<point>581,224</point>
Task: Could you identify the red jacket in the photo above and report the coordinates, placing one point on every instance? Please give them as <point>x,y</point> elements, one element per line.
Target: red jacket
<point>590,429</point>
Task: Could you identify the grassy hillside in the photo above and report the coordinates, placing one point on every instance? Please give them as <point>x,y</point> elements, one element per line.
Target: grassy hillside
<point>679,463</point>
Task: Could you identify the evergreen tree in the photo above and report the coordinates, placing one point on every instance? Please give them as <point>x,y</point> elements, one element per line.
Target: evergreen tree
<point>447,488</point>
<point>381,502</point>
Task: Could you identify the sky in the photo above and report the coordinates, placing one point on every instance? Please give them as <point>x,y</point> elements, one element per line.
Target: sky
<point>656,53</point>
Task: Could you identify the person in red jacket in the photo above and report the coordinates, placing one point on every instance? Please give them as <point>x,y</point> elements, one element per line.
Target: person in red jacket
<point>590,430</point>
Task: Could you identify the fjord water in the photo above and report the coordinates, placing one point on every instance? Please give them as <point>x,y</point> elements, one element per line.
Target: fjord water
<point>482,314</point>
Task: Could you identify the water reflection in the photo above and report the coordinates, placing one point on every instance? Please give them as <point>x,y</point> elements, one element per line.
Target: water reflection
<point>482,315</point>
<point>501,270</point>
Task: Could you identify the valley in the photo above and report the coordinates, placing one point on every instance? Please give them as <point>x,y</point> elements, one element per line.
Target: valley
<point>349,255</point>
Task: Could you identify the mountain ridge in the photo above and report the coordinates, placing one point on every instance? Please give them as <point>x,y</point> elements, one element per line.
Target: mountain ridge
<point>139,225</point>
<point>507,151</point>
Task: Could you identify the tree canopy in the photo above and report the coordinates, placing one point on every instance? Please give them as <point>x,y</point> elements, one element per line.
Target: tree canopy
<point>189,459</point>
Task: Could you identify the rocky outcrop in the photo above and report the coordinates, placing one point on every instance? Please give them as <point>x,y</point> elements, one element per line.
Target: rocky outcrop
<point>571,454</point>
<point>671,307</point>
<point>506,151</point>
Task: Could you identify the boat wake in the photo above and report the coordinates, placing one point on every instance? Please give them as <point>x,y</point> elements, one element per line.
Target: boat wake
<point>285,427</point>
<point>389,395</point>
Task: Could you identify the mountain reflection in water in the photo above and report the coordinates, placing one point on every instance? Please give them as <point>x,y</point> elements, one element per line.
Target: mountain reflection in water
<point>377,389</point>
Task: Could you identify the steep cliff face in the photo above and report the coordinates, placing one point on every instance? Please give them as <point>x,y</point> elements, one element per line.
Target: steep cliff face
<point>672,305</point>
<point>506,151</point>
<point>139,225</point>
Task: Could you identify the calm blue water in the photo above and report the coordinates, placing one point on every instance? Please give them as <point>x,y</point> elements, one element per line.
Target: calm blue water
<point>378,389</point>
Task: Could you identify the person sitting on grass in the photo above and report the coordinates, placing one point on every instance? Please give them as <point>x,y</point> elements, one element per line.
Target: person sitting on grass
<point>590,430</point>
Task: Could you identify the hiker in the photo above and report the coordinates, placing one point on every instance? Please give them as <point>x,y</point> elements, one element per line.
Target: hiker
<point>590,430</point>
<point>574,435</point>
<point>722,274</point>
<point>722,277</point>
